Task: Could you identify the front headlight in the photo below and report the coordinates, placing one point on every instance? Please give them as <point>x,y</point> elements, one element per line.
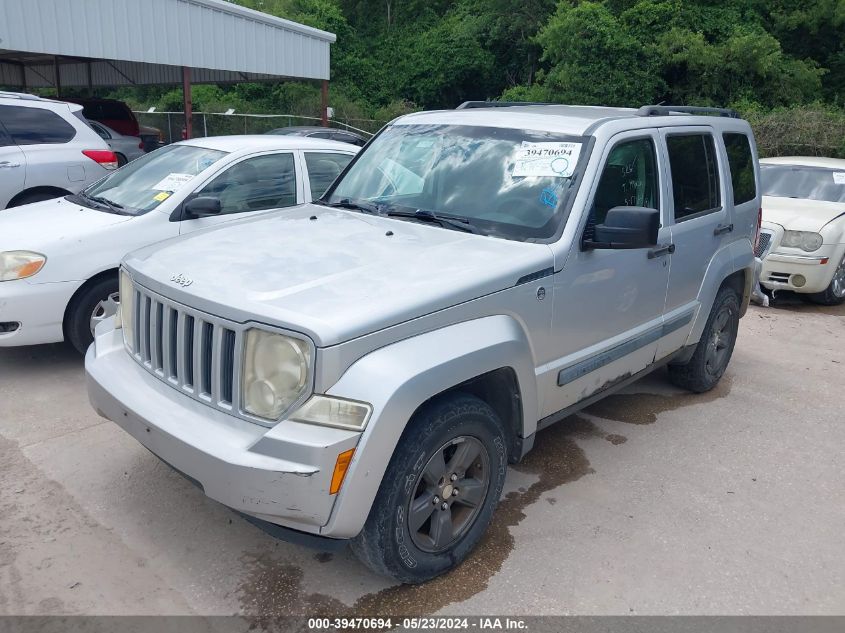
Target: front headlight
<point>275,373</point>
<point>20,264</point>
<point>123,319</point>
<point>805,240</point>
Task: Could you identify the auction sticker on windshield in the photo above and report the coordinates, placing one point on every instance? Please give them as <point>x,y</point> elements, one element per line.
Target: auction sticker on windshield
<point>547,160</point>
<point>172,181</point>
<point>839,177</point>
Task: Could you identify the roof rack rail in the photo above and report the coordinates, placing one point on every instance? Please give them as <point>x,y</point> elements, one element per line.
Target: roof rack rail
<point>665,110</point>
<point>466,105</point>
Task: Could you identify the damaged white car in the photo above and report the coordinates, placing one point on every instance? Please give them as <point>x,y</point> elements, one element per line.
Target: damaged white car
<point>802,242</point>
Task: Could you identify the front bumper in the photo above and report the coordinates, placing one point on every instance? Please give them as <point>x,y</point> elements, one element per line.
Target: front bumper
<point>806,273</point>
<point>280,474</point>
<point>38,309</point>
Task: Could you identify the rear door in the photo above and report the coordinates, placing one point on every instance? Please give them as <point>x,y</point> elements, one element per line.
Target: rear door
<point>257,183</point>
<point>12,168</point>
<point>700,222</point>
<point>322,168</point>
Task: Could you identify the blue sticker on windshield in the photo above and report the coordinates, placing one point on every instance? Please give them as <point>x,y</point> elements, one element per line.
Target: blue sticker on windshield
<point>205,163</point>
<point>548,197</point>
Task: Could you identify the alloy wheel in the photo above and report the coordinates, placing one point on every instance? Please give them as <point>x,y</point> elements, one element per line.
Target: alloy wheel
<point>719,342</point>
<point>449,494</point>
<point>104,309</point>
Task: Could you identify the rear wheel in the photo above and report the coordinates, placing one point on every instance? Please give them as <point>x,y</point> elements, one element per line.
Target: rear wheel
<point>834,294</point>
<point>94,304</point>
<point>438,493</point>
<point>121,159</point>
<point>714,349</point>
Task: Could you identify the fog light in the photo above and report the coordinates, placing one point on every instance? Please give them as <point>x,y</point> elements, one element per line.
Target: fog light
<point>799,280</point>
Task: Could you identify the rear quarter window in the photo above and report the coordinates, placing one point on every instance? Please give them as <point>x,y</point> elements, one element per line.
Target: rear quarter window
<point>35,126</point>
<point>741,162</point>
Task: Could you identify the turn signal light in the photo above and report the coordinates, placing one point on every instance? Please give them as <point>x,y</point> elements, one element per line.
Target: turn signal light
<point>340,468</point>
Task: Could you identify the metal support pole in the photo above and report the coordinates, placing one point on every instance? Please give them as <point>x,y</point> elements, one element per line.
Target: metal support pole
<point>324,103</point>
<point>58,76</point>
<point>186,93</point>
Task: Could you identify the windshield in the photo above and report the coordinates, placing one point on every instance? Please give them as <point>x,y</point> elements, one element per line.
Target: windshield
<point>504,182</point>
<point>146,182</point>
<point>808,183</point>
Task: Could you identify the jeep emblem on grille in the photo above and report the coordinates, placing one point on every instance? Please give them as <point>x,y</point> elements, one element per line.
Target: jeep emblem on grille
<point>180,279</point>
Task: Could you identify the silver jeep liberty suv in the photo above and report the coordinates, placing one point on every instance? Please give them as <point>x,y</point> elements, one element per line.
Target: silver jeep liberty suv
<point>364,368</point>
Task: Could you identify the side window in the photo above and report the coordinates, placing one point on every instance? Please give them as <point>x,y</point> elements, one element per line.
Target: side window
<point>35,126</point>
<point>255,184</point>
<point>323,168</point>
<point>629,179</point>
<point>741,163</point>
<point>100,130</point>
<point>695,174</point>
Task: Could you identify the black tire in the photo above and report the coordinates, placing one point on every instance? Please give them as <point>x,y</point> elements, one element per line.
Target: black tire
<point>81,310</point>
<point>386,544</point>
<point>714,350</point>
<point>834,294</point>
<point>121,159</point>
<point>38,196</point>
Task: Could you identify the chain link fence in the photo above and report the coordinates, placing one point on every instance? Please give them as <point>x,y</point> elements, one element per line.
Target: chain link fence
<point>172,124</point>
<point>799,131</point>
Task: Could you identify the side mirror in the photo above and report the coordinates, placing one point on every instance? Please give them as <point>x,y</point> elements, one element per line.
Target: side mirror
<point>626,227</point>
<point>202,206</point>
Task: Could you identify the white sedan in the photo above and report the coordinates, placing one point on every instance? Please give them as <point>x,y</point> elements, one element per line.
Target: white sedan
<point>59,258</point>
<point>802,241</point>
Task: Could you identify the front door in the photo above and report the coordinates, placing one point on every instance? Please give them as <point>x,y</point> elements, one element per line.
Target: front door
<point>12,170</point>
<point>608,304</point>
<point>258,183</point>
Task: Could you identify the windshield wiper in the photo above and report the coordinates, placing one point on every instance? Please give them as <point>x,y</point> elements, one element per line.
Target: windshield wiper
<point>355,205</point>
<point>424,215</point>
<point>105,201</point>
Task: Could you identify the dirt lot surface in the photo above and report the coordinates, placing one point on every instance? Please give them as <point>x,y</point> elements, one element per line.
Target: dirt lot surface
<point>651,502</point>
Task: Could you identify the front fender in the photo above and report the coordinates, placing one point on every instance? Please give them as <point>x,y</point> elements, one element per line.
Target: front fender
<point>397,379</point>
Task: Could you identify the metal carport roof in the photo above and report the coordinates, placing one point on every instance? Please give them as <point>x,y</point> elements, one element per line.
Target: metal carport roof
<point>141,42</point>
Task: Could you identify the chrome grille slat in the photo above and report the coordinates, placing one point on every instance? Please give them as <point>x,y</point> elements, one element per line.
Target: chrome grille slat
<point>145,330</point>
<point>155,336</point>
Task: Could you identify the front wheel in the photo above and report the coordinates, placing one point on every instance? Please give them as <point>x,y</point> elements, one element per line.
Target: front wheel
<point>714,349</point>
<point>94,304</point>
<point>438,493</point>
<point>834,294</point>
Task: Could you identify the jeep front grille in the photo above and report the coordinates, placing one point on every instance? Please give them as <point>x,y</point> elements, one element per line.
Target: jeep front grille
<point>188,349</point>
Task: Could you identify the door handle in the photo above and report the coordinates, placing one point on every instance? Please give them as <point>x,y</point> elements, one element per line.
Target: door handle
<point>661,250</point>
<point>723,228</point>
<point>8,165</point>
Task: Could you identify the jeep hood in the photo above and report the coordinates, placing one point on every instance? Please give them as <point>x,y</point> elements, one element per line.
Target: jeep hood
<point>796,214</point>
<point>334,275</point>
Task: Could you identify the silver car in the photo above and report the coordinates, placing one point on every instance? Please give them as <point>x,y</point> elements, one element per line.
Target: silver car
<point>126,148</point>
<point>47,150</point>
<point>363,369</point>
